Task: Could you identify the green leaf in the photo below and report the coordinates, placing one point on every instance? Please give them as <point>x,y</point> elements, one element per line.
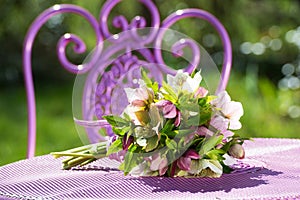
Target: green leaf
<point>187,102</point>
<point>120,131</point>
<point>131,159</point>
<point>169,90</point>
<point>195,71</point>
<point>126,116</point>
<point>209,143</point>
<point>171,144</point>
<point>205,117</point>
<point>169,98</point>
<point>226,169</point>
<point>168,127</point>
<point>115,120</point>
<point>145,77</point>
<point>216,154</point>
<point>197,143</point>
<point>152,143</point>
<point>185,132</point>
<point>122,166</point>
<point>171,155</point>
<point>115,147</point>
<point>155,87</point>
<point>193,121</point>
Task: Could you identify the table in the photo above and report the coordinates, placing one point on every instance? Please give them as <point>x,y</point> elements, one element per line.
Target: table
<point>271,170</point>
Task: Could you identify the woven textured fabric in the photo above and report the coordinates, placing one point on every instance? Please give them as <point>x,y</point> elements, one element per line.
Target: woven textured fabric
<point>271,170</point>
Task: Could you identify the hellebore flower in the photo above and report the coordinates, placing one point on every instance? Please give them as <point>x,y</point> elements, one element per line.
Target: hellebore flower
<point>211,168</point>
<point>229,160</point>
<point>221,124</point>
<point>231,110</point>
<point>169,111</point>
<point>141,170</point>
<point>182,81</point>
<point>184,162</point>
<point>201,92</point>
<point>139,99</point>
<point>142,93</point>
<point>159,163</point>
<point>119,156</point>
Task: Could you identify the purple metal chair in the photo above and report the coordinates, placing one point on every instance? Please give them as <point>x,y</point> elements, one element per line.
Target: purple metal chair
<point>105,69</point>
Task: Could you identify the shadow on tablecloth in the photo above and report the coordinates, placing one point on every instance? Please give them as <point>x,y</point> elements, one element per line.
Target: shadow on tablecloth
<point>226,183</point>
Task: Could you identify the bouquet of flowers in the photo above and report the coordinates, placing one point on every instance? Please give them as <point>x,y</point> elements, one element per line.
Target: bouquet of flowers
<point>173,129</point>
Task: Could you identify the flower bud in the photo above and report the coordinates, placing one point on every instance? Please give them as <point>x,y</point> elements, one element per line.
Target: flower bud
<point>127,141</point>
<point>237,151</point>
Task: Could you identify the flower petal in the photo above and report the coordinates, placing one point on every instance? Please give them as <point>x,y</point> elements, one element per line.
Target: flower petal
<point>222,99</point>
<point>235,125</point>
<point>219,123</point>
<point>215,166</point>
<point>163,167</point>
<point>233,109</point>
<point>191,153</point>
<point>228,160</point>
<point>201,92</point>
<point>184,163</point>
<point>178,118</point>
<point>170,111</point>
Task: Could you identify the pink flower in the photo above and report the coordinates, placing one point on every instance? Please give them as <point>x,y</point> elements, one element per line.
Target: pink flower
<point>184,162</point>
<point>201,92</point>
<point>169,110</point>
<point>159,163</point>
<point>203,131</point>
<point>231,110</point>
<point>221,124</point>
<point>119,156</point>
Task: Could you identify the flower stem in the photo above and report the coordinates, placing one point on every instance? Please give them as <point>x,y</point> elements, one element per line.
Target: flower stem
<point>82,155</point>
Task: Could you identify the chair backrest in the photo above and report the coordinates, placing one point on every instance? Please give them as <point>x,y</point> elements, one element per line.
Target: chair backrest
<point>111,67</point>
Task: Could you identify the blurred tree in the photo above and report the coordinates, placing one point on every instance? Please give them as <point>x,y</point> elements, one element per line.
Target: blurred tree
<point>256,23</point>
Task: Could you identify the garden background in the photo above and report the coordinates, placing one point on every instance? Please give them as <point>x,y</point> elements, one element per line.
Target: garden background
<point>265,76</point>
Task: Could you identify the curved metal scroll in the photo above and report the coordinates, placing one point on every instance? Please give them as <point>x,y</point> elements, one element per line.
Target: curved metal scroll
<point>102,33</point>
<point>67,38</point>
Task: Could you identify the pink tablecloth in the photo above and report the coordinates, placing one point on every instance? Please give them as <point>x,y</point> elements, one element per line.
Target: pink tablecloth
<point>271,170</point>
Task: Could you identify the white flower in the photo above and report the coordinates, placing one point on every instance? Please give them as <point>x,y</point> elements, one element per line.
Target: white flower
<point>221,123</point>
<point>213,165</point>
<point>136,94</point>
<point>229,160</point>
<point>231,110</point>
<point>207,168</point>
<point>130,111</point>
<point>138,99</point>
<point>182,81</point>
<point>141,170</point>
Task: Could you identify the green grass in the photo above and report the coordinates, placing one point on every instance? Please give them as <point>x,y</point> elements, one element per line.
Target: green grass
<point>265,108</point>
<point>55,126</point>
<point>264,116</point>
